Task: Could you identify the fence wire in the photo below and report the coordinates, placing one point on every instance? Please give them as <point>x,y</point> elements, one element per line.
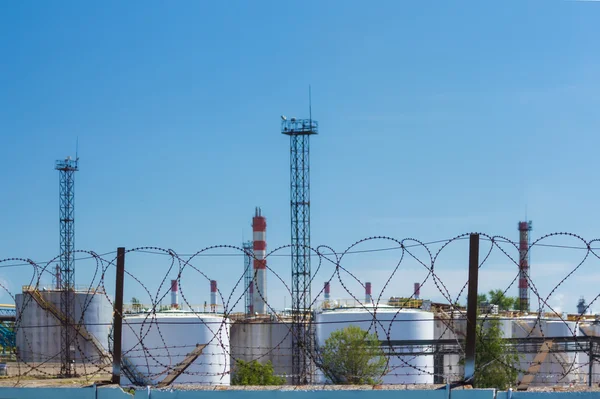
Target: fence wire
<point>422,341</point>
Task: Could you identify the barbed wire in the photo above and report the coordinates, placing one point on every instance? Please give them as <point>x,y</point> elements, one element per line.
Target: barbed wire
<point>422,341</point>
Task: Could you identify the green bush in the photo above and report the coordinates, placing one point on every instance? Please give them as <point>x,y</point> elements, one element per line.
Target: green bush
<point>353,356</point>
<point>255,373</point>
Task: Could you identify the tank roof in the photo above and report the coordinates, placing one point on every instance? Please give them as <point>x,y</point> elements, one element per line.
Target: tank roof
<point>375,309</point>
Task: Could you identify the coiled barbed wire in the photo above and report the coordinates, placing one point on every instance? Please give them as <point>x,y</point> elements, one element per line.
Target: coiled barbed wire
<point>150,345</point>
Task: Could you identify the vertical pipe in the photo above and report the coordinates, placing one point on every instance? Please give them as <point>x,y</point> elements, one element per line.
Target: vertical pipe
<point>472,307</point>
<point>591,362</point>
<point>213,296</point>
<point>259,235</point>
<point>118,316</point>
<point>326,288</point>
<point>174,294</point>
<point>368,297</point>
<point>417,291</point>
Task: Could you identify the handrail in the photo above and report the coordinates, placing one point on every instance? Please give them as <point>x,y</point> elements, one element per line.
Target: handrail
<point>133,374</point>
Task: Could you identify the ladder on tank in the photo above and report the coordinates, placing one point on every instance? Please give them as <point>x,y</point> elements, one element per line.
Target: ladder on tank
<point>181,366</point>
<point>80,329</point>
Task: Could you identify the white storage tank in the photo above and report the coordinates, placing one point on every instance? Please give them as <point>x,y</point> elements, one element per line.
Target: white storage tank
<point>154,344</point>
<point>558,367</point>
<point>390,324</point>
<point>38,328</point>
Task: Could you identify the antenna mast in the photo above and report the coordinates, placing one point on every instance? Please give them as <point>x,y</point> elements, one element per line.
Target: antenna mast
<point>300,131</point>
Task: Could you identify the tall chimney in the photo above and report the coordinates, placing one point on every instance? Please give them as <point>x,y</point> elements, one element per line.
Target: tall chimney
<point>174,294</point>
<point>259,235</point>
<point>524,229</point>
<point>417,293</point>
<point>213,296</point>
<point>368,298</point>
<point>326,290</point>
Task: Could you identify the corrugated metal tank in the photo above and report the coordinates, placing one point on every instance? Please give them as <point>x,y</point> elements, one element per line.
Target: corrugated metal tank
<point>389,324</point>
<point>38,331</point>
<point>263,339</point>
<point>557,368</point>
<point>153,344</point>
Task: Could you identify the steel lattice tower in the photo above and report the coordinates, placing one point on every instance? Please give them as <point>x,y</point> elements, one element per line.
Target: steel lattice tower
<point>248,277</point>
<point>300,131</point>
<point>67,169</point>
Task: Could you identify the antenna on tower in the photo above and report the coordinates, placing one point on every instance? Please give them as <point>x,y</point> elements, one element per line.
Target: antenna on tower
<point>309,104</point>
<point>77,149</point>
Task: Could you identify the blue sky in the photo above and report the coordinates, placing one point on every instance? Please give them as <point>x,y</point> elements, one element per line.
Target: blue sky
<point>436,119</point>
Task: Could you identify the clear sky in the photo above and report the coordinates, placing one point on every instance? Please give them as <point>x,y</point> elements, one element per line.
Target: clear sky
<point>436,119</point>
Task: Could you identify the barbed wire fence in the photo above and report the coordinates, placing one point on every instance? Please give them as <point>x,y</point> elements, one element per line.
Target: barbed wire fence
<point>424,341</point>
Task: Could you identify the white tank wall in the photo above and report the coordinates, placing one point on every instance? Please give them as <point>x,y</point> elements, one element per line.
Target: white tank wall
<point>388,323</point>
<point>558,368</point>
<point>263,342</point>
<point>155,344</point>
<point>38,332</point>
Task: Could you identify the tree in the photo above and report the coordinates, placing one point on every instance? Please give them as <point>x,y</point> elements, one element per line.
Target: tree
<point>481,299</point>
<point>255,373</point>
<point>136,306</point>
<point>353,356</point>
<point>504,302</point>
<point>495,361</point>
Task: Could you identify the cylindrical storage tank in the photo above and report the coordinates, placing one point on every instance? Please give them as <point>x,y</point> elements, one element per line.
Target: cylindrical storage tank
<point>155,344</point>
<point>263,340</point>
<point>38,328</point>
<point>390,324</point>
<point>452,326</point>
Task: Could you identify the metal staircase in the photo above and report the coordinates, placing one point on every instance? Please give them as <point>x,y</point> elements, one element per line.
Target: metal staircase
<point>539,359</point>
<point>184,364</point>
<point>80,329</point>
<point>133,375</point>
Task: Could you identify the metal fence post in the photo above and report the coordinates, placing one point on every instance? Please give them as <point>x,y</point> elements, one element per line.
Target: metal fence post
<point>472,307</point>
<point>118,316</point>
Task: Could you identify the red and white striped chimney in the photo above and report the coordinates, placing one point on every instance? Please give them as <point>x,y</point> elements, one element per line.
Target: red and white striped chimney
<point>213,296</point>
<point>368,297</point>
<point>326,290</point>
<point>174,294</point>
<point>524,229</point>
<point>259,235</point>
<point>417,293</point>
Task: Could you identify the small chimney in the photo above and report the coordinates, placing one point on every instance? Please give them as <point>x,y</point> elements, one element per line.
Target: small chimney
<point>174,294</point>
<point>213,296</point>
<point>368,298</point>
<point>326,290</point>
<point>417,291</point>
